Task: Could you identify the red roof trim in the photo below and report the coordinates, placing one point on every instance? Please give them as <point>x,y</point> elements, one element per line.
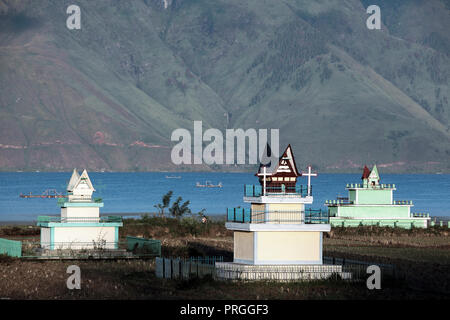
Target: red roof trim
<point>366,173</point>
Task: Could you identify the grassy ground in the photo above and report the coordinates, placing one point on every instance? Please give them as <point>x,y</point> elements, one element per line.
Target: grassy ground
<point>136,280</point>
<point>421,257</point>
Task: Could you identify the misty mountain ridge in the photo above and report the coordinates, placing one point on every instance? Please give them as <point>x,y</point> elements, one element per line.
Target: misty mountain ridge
<point>108,96</point>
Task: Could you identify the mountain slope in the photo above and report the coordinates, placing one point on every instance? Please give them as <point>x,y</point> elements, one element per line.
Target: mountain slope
<point>109,95</point>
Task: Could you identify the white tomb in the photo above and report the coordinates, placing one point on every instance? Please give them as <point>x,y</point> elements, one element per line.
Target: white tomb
<point>80,225</point>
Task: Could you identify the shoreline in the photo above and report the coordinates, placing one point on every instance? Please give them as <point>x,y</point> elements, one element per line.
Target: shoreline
<point>213,217</point>
<point>138,215</point>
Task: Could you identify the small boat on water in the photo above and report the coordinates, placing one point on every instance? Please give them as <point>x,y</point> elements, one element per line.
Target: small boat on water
<point>208,184</point>
<point>173,177</point>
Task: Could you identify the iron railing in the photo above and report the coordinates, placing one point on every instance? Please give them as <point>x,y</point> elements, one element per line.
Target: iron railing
<point>343,201</point>
<point>308,216</point>
<point>257,191</point>
<point>317,216</point>
<point>338,201</point>
<point>403,202</point>
<point>420,215</point>
<point>380,186</point>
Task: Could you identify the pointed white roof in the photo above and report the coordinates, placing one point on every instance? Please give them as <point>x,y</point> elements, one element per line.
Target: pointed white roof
<point>374,177</point>
<point>374,173</point>
<point>73,180</point>
<point>76,181</point>
<point>84,178</point>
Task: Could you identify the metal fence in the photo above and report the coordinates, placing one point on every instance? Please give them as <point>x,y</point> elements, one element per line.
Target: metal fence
<point>182,268</point>
<point>332,269</point>
<point>346,202</point>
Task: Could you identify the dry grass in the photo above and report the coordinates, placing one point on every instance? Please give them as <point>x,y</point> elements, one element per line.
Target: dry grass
<point>136,280</point>
<point>189,227</point>
<point>435,237</point>
<point>19,231</point>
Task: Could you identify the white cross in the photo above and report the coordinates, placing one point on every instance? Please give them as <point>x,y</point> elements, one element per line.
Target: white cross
<point>309,175</point>
<point>264,179</point>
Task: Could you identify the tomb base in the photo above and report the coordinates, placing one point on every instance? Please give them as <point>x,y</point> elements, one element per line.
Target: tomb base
<point>237,271</point>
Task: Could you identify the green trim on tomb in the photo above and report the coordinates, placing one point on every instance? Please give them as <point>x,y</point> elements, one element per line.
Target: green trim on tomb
<point>400,223</point>
<point>52,238</point>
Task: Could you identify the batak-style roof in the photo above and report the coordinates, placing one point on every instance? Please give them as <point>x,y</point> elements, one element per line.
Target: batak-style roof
<point>285,166</point>
<point>374,173</point>
<point>73,180</point>
<point>76,180</point>
<point>366,173</point>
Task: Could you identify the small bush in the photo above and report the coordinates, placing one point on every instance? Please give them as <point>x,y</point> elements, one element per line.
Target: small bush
<point>191,226</point>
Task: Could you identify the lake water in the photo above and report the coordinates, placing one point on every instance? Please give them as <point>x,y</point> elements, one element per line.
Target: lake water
<point>139,192</point>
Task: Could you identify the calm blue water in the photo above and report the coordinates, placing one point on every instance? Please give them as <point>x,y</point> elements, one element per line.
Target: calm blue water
<point>139,192</point>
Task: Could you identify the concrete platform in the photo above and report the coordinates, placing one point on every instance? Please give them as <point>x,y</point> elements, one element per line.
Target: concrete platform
<point>236,271</point>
